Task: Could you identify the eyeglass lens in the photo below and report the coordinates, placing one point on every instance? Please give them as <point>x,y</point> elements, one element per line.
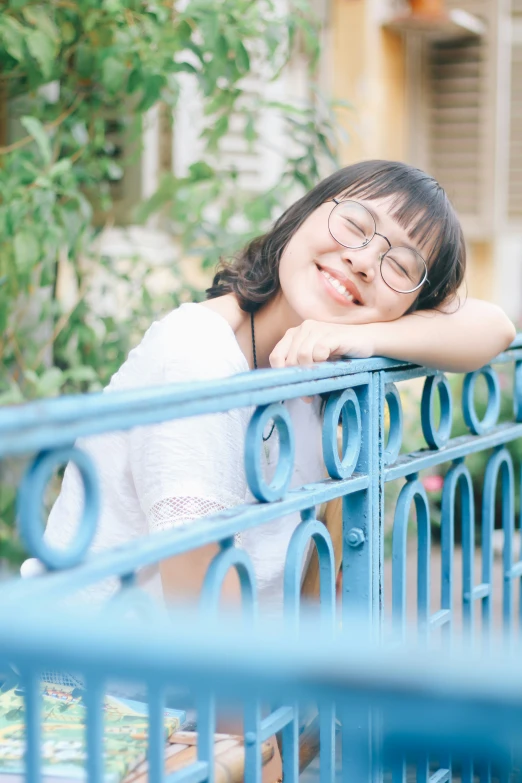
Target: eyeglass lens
<point>353,226</point>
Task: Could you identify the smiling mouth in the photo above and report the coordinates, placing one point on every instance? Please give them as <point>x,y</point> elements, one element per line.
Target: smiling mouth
<point>338,286</point>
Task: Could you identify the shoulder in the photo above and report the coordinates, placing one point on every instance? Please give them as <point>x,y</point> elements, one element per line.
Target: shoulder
<point>190,343</point>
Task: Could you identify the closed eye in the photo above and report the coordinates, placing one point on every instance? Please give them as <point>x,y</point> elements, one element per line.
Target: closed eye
<point>399,268</point>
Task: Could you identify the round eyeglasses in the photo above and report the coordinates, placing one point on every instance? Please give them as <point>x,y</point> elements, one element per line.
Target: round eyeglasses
<point>353,226</point>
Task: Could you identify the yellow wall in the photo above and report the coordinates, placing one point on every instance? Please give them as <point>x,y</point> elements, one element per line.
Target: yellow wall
<point>369,73</point>
<point>480,274</point>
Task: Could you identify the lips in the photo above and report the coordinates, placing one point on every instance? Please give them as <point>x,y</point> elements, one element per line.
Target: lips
<point>341,284</point>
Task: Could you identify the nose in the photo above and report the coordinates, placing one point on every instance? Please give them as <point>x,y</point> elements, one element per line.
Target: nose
<point>363,261</point>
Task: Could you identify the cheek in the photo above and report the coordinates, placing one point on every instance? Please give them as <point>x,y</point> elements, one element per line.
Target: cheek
<point>391,305</point>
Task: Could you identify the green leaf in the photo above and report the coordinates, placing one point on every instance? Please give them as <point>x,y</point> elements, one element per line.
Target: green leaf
<point>152,87</point>
<point>43,49</point>
<point>40,18</point>
<point>114,72</point>
<point>27,249</point>
<point>12,35</point>
<point>35,129</point>
<point>60,167</point>
<point>243,60</point>
<point>250,129</point>
<point>50,382</point>
<point>201,170</point>
<point>80,374</point>
<point>68,32</point>
<point>13,396</point>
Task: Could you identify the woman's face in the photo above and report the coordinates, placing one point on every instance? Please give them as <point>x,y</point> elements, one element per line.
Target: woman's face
<point>313,265</point>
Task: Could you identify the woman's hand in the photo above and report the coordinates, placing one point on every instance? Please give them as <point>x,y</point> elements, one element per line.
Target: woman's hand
<point>317,341</point>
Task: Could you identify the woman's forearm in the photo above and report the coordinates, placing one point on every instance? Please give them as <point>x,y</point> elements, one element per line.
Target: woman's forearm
<point>461,340</point>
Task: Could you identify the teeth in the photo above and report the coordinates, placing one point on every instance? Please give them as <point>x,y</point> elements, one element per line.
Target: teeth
<point>337,285</point>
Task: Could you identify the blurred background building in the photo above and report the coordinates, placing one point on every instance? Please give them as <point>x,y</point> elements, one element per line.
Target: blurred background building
<point>436,85</point>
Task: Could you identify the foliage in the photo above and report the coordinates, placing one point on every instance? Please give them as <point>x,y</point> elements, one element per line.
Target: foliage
<point>68,68</point>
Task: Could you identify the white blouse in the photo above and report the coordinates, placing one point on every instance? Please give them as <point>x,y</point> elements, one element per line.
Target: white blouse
<point>165,475</point>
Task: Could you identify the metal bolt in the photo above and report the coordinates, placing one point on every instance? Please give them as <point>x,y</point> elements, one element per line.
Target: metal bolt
<point>250,738</point>
<point>355,537</point>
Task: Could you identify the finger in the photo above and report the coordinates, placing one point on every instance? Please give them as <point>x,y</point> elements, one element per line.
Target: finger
<point>313,349</point>
<point>278,356</point>
<point>300,352</point>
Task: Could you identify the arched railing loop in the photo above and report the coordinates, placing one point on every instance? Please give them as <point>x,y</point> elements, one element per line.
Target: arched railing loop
<point>30,503</point>
<point>230,557</point>
<point>436,437</point>
<point>412,492</point>
<point>310,530</point>
<point>474,424</point>
<point>394,442</point>
<point>458,477</point>
<point>517,392</point>
<point>343,406</point>
<point>500,463</point>
<point>278,487</point>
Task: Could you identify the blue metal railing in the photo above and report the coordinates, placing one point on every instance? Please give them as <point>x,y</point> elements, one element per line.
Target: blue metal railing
<point>360,393</point>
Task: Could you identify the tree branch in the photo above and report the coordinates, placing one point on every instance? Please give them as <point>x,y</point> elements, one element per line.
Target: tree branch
<point>16,145</point>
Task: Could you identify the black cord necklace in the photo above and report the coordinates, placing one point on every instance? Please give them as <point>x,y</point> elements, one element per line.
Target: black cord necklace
<point>255,366</point>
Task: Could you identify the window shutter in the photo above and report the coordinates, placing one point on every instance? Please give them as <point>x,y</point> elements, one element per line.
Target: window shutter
<point>257,163</point>
<point>456,79</point>
<point>459,114</point>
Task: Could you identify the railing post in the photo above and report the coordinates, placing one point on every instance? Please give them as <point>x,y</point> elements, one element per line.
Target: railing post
<point>363,569</point>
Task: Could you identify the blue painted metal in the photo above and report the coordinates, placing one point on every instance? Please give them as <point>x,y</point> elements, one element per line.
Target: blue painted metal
<point>310,530</point>
<point>345,406</point>
<point>476,426</point>
<point>30,504</point>
<point>373,694</point>
<point>436,437</point>
<point>393,446</point>
<point>412,492</point>
<point>253,448</point>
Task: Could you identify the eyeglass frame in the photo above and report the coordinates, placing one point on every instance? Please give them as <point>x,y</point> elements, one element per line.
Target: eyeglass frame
<point>367,242</point>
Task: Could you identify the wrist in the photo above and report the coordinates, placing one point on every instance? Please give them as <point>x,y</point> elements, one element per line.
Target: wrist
<point>372,339</point>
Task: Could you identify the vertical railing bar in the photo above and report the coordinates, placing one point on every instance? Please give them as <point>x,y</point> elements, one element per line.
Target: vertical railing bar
<point>423,769</point>
<point>520,547</point>
<point>447,561</point>
<point>93,698</point>
<point>291,748</point>
<point>327,743</point>
<point>156,744</point>
<point>485,772</point>
<point>467,770</point>
<point>468,553</point>
<point>356,745</point>
<point>33,722</point>
<point>398,770</point>
<point>358,577</point>
<point>377,480</point>
<point>206,712</point>
<point>508,527</point>
<point>487,557</point>
<point>252,743</point>
<point>376,534</point>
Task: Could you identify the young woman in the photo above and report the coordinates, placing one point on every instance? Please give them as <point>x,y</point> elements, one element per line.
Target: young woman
<point>368,263</point>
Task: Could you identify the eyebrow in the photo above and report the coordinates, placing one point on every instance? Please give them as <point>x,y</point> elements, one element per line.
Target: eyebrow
<point>375,217</point>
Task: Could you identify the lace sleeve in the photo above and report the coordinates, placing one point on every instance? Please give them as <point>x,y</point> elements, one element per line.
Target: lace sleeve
<point>189,468</point>
<point>175,512</point>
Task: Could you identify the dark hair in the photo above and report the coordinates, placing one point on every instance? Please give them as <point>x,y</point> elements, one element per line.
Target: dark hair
<point>419,204</point>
